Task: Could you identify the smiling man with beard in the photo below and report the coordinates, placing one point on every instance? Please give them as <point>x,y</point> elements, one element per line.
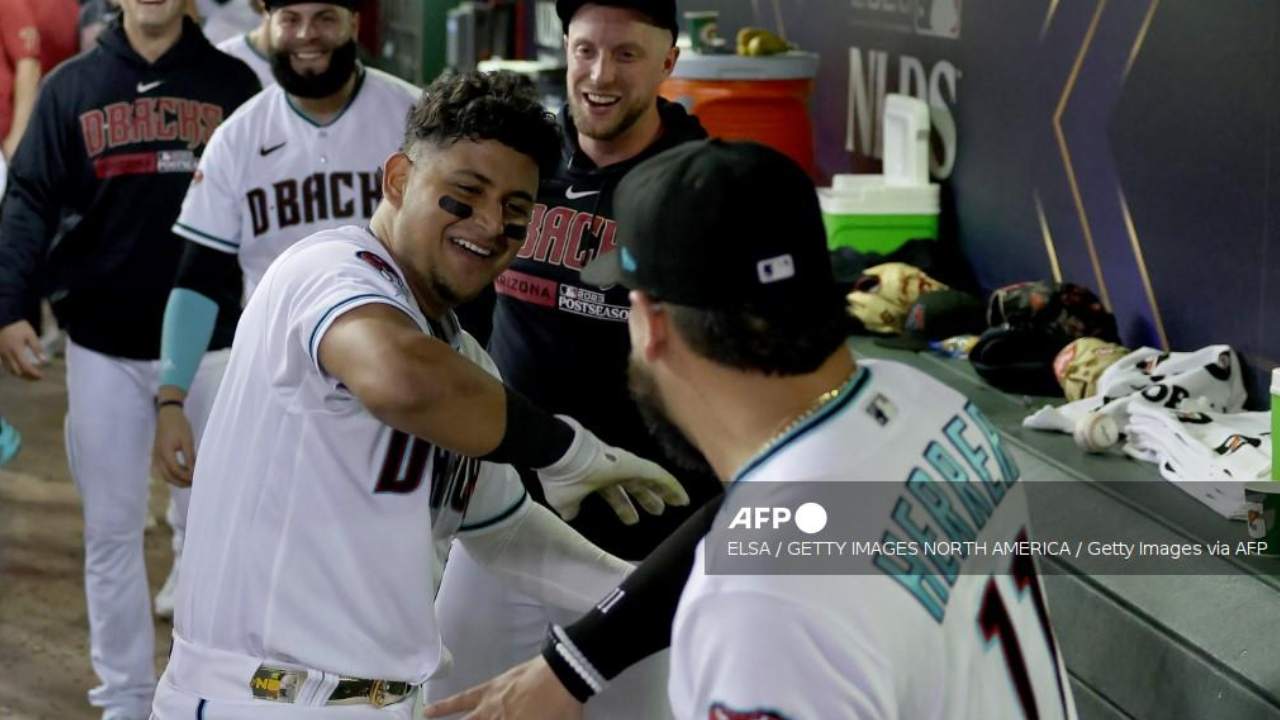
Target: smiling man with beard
<point>739,356</point>
<point>562,340</point>
<point>313,49</point>
<point>300,157</point>
<point>738,336</point>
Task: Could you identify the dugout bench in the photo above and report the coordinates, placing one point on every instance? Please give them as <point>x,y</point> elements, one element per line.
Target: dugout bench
<point>1136,646</point>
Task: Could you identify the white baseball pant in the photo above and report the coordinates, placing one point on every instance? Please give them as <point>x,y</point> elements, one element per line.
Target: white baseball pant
<point>109,431</point>
<point>489,628</point>
<point>174,704</point>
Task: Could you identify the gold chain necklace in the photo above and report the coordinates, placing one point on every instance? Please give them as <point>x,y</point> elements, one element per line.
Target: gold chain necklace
<point>817,404</point>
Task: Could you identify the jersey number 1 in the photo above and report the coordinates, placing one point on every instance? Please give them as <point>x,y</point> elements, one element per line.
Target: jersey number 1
<point>994,620</point>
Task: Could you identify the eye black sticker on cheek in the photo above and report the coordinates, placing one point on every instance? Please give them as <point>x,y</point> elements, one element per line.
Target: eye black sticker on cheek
<point>516,232</point>
<point>455,207</point>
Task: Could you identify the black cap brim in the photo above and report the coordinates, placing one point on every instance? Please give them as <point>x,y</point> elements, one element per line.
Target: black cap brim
<point>605,270</point>
<point>662,14</point>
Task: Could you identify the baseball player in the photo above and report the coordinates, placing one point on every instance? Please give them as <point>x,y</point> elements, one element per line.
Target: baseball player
<point>113,143</point>
<point>738,337</point>
<point>564,342</point>
<point>252,47</point>
<point>226,19</point>
<point>300,157</point>
<point>358,427</point>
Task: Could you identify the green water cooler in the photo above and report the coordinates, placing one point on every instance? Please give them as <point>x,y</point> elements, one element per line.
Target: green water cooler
<point>877,213</point>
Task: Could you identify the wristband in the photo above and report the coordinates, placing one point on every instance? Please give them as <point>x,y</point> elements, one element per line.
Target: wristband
<point>171,401</point>
<point>634,621</point>
<point>533,437</point>
<point>571,668</point>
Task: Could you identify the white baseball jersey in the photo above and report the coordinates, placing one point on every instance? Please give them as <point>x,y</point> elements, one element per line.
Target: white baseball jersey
<point>226,18</point>
<point>314,528</point>
<point>1209,455</point>
<point>238,46</point>
<point>1206,379</point>
<point>896,638</point>
<point>271,177</point>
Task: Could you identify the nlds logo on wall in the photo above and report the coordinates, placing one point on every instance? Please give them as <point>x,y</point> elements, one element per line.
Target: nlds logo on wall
<point>869,77</point>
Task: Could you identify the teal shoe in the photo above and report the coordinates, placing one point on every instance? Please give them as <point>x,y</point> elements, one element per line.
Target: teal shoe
<point>10,441</point>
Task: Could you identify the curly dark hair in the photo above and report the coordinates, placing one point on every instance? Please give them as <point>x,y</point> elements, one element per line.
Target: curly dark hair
<point>475,106</point>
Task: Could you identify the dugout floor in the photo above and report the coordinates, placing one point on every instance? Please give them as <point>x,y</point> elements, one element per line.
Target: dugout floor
<point>44,627</point>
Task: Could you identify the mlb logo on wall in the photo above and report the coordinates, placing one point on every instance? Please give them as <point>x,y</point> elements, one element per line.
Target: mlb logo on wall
<point>938,18</point>
<point>931,18</point>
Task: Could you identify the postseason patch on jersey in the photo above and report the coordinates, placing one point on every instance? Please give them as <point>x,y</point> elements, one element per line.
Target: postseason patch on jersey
<point>384,268</point>
<point>721,712</point>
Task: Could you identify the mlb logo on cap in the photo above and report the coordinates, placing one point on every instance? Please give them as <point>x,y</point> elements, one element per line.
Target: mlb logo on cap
<point>776,268</point>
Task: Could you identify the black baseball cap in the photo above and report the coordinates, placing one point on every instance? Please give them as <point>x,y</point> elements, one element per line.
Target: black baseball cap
<point>723,225</point>
<point>939,315</point>
<point>662,13</point>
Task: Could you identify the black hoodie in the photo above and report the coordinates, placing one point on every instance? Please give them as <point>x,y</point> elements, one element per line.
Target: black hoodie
<point>564,343</point>
<point>98,180</point>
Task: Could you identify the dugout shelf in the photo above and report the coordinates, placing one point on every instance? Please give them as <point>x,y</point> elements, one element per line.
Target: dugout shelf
<point>1137,646</point>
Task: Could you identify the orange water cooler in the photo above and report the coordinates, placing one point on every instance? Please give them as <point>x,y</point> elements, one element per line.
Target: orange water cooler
<point>765,99</point>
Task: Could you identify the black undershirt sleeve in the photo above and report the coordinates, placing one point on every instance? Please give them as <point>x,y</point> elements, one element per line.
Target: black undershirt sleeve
<point>212,273</point>
<point>217,276</point>
<point>632,622</point>
<point>534,438</point>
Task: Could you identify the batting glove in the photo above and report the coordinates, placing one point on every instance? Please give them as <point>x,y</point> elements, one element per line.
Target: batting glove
<point>589,465</point>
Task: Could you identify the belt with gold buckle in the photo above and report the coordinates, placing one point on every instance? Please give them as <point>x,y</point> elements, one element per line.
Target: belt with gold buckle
<point>278,684</point>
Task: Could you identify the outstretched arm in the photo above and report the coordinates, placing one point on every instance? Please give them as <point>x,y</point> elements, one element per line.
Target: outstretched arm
<point>422,386</point>
<point>537,554</point>
<point>629,624</point>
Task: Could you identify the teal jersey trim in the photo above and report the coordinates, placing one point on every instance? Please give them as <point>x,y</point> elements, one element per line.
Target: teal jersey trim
<point>187,231</point>
<point>844,398</point>
<point>343,304</point>
<point>254,49</point>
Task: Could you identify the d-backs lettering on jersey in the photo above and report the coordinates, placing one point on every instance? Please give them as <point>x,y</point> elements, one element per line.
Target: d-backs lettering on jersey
<point>148,121</point>
<point>564,236</point>
<point>314,199</point>
<point>561,241</point>
<point>572,224</point>
<point>271,176</point>
<point>320,536</point>
<point>901,635</point>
